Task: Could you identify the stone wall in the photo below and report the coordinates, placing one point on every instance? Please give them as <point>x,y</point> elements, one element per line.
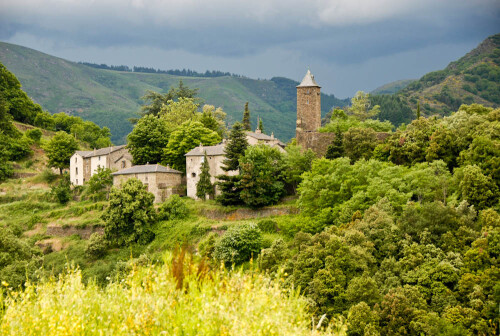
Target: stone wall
<point>119,159</point>
<point>240,214</point>
<point>160,184</point>
<point>64,231</point>
<point>193,171</point>
<point>316,141</point>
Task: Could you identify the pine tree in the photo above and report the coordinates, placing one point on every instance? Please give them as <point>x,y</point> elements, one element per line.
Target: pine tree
<point>246,118</point>
<point>336,148</point>
<point>418,110</point>
<point>261,126</point>
<point>204,187</point>
<point>235,148</point>
<point>229,185</point>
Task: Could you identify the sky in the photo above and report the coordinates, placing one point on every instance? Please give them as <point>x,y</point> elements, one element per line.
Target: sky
<point>349,45</point>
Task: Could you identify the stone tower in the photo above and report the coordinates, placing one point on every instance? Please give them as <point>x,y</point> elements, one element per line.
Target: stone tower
<point>308,105</point>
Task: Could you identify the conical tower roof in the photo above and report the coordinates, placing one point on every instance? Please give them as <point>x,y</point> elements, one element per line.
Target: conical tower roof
<point>308,80</point>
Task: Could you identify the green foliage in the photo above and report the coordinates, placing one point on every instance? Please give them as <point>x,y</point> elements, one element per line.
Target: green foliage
<point>214,119</point>
<point>336,148</point>
<point>204,186</point>
<point>99,185</point>
<point>96,247</point>
<point>246,118</point>
<point>235,147</point>
<point>267,226</point>
<point>44,120</point>
<point>62,190</point>
<point>6,169</point>
<point>60,149</point>
<point>18,260</point>
<point>271,258</point>
<point>477,188</point>
<point>206,246</point>
<point>261,176</point>
<point>230,190</point>
<point>360,106</point>
<point>173,208</point>
<point>238,244</point>
<point>296,162</point>
<point>148,139</point>
<point>20,106</point>
<point>130,214</point>
<point>186,137</point>
<point>34,134</point>
<point>359,143</point>
<point>155,101</point>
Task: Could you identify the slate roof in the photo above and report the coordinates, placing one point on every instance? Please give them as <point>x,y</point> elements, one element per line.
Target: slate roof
<point>103,151</point>
<point>142,169</point>
<point>308,80</point>
<point>262,136</point>
<point>211,150</point>
<point>83,153</point>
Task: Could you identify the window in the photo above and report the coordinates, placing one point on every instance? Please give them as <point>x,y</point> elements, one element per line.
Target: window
<point>76,159</point>
<point>76,170</point>
<point>124,164</point>
<point>193,174</point>
<point>100,157</point>
<point>76,181</point>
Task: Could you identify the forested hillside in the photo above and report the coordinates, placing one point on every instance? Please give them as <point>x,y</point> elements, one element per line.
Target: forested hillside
<point>109,97</point>
<point>474,78</point>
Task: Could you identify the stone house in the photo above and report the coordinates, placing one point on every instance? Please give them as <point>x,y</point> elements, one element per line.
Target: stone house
<point>257,137</point>
<point>159,180</point>
<point>84,164</point>
<point>194,160</point>
<point>215,156</point>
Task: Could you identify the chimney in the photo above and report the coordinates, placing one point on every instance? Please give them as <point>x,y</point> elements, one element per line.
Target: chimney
<point>94,150</point>
<point>201,145</point>
<point>258,131</point>
<point>272,135</point>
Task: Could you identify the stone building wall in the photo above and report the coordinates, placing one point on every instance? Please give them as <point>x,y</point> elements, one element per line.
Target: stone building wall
<point>161,185</point>
<point>316,141</point>
<point>119,159</point>
<point>193,171</point>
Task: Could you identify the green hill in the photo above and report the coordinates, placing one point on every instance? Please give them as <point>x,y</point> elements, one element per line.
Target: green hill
<point>474,78</point>
<point>393,87</point>
<point>109,98</point>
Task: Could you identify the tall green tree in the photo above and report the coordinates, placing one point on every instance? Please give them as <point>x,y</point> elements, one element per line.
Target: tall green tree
<point>130,215</point>
<point>246,118</point>
<point>360,106</point>
<point>148,139</point>
<point>261,176</point>
<point>155,101</point>
<point>261,125</point>
<point>60,149</point>
<point>204,186</point>
<point>234,149</point>
<point>359,143</point>
<point>296,162</point>
<point>336,148</point>
<point>188,136</point>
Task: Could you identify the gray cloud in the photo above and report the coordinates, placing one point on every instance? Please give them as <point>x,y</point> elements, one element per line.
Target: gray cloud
<point>254,38</point>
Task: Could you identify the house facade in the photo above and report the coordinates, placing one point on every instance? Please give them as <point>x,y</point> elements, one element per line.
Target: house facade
<point>159,180</point>
<point>84,164</point>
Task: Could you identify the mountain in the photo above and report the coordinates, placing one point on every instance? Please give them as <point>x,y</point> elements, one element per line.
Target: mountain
<point>393,87</point>
<point>474,78</point>
<point>109,97</point>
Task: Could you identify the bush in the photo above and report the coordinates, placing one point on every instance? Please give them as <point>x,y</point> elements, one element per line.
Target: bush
<point>34,134</point>
<point>62,191</point>
<point>268,226</point>
<point>96,247</point>
<point>206,246</point>
<point>48,175</point>
<point>238,244</point>
<point>173,208</point>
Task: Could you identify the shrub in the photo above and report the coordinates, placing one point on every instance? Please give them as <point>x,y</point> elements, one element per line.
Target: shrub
<point>271,258</point>
<point>238,244</point>
<point>173,208</point>
<point>268,226</point>
<point>62,191</point>
<point>34,134</point>
<point>96,247</point>
<point>48,175</point>
<point>130,214</point>
<point>206,246</point>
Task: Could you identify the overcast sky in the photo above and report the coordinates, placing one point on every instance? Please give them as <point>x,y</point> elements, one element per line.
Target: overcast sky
<point>349,45</point>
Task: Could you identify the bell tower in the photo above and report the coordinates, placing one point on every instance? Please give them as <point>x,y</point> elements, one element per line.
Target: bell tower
<point>308,105</point>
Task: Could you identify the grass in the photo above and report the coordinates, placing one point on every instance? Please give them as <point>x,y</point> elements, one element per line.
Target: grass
<point>186,299</point>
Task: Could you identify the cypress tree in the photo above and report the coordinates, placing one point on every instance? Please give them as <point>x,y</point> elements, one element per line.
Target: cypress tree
<point>418,110</point>
<point>204,187</point>
<point>261,125</point>
<point>229,185</point>
<point>336,148</point>
<point>246,118</point>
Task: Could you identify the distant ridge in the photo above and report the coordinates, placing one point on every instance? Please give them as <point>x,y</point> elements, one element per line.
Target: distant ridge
<point>110,97</point>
